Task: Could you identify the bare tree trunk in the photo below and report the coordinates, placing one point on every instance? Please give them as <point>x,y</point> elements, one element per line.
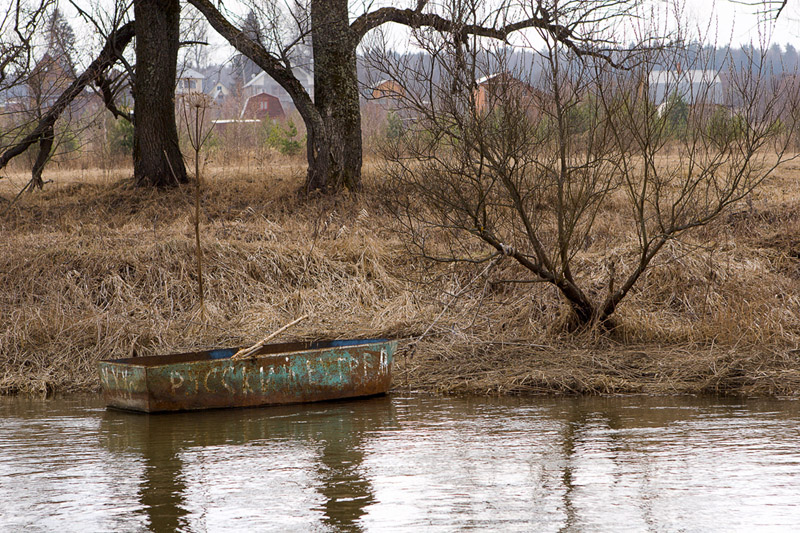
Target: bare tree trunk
<point>157,157</point>
<point>45,146</point>
<point>335,155</point>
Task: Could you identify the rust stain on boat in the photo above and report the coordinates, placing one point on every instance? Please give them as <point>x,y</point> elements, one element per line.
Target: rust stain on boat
<point>277,374</point>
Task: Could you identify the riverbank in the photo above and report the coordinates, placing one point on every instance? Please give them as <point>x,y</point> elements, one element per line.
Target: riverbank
<point>91,268</point>
<point>495,369</point>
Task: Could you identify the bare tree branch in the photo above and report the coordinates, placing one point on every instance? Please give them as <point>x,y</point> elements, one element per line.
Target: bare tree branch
<point>107,92</point>
<point>18,27</point>
<point>542,20</point>
<point>533,159</point>
<point>110,53</point>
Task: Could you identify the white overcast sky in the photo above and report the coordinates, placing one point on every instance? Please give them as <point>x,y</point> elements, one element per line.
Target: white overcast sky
<point>739,25</point>
<point>722,21</point>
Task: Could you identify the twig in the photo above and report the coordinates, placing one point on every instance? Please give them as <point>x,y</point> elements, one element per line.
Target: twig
<point>172,170</point>
<point>247,352</point>
<point>412,347</point>
<point>194,111</point>
<point>27,186</point>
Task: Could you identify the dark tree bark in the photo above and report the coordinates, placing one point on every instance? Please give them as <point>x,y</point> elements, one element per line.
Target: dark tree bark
<point>333,117</point>
<point>335,161</point>
<point>45,146</point>
<point>317,145</point>
<point>157,159</point>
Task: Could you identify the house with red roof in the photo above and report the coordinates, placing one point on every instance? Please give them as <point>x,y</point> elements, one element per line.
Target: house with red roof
<point>263,106</point>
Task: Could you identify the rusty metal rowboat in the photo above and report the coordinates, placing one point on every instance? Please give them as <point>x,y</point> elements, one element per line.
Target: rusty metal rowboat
<point>276,374</point>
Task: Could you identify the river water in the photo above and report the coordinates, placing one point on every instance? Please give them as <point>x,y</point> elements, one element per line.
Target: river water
<point>404,463</point>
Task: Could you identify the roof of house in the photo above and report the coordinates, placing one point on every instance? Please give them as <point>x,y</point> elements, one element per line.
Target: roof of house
<point>259,79</point>
<point>502,77</point>
<point>687,76</point>
<point>481,81</point>
<point>388,88</point>
<point>236,121</point>
<point>218,88</point>
<point>275,108</point>
<point>217,75</point>
<point>191,74</point>
<point>692,85</point>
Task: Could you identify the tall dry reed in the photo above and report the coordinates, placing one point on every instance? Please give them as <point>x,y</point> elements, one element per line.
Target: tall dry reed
<point>92,268</point>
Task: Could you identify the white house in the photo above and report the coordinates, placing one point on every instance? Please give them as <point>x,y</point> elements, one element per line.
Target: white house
<point>219,92</point>
<point>693,86</point>
<point>189,81</point>
<point>263,83</point>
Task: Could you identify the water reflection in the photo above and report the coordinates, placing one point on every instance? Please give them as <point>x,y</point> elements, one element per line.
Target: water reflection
<point>328,438</point>
<point>158,444</point>
<point>346,490</point>
<point>679,463</point>
<point>404,463</point>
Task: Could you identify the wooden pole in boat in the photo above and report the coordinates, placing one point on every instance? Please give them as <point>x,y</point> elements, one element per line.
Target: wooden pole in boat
<point>246,352</point>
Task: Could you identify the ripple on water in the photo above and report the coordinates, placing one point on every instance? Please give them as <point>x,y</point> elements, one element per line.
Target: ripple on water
<point>404,463</point>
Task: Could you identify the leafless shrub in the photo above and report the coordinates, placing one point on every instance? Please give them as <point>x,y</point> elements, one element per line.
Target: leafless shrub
<point>195,107</point>
<point>524,162</point>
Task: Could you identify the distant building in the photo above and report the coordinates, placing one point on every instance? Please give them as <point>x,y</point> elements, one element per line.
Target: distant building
<point>41,89</point>
<point>14,98</point>
<point>189,81</point>
<point>693,86</point>
<point>48,79</point>
<point>263,106</point>
<point>263,83</point>
<point>504,88</point>
<point>388,89</point>
<point>219,93</point>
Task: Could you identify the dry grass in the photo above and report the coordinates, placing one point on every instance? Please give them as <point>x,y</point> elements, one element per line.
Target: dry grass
<point>92,268</point>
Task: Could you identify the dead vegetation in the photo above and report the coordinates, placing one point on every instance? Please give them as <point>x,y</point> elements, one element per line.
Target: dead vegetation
<point>92,268</point>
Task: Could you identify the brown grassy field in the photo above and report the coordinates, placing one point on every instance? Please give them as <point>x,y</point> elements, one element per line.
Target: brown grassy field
<point>92,268</point>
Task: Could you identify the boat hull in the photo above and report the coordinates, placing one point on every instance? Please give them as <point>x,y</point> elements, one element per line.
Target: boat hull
<point>277,374</point>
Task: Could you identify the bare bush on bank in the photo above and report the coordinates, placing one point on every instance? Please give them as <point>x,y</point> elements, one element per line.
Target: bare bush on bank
<point>497,161</point>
